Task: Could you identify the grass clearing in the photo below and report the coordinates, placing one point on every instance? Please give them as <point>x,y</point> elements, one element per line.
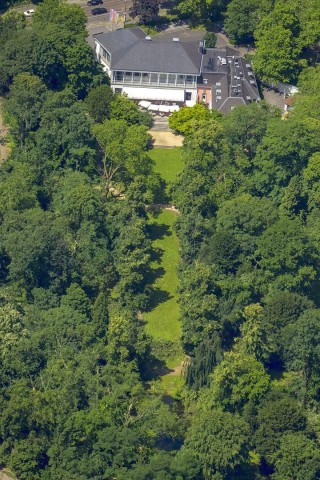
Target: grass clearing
<point>163,316</point>
<point>168,162</point>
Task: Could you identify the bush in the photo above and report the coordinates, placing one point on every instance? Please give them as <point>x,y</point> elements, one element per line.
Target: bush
<point>211,39</point>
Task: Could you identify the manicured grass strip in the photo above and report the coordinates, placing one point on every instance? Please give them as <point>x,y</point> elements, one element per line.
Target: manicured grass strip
<point>162,319</point>
<point>168,162</point>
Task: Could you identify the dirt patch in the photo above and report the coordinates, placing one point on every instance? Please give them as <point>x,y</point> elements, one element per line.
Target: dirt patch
<point>180,369</point>
<point>273,98</point>
<point>4,149</point>
<point>162,139</point>
<point>6,475</point>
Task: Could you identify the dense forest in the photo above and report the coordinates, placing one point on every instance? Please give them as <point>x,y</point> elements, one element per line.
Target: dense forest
<point>75,252</point>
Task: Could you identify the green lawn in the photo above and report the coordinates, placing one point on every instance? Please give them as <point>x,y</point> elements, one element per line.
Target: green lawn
<point>162,317</point>
<point>168,162</point>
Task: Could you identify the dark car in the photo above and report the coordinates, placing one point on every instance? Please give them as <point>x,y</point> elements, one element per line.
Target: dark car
<point>98,11</point>
<point>92,3</point>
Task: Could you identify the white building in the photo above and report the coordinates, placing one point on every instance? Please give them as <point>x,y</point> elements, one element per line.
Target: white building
<point>172,70</point>
<point>149,68</point>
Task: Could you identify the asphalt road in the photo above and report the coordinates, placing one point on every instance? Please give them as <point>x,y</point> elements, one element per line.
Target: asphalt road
<point>101,23</point>
<point>96,23</point>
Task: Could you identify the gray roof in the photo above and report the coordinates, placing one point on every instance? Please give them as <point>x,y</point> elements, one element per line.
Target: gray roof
<point>215,61</point>
<point>131,51</point>
<point>230,77</point>
<point>231,103</point>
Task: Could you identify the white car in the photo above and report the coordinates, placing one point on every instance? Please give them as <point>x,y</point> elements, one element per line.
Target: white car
<point>28,13</point>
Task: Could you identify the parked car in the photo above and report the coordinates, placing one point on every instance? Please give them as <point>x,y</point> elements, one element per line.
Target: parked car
<point>91,3</point>
<point>98,11</point>
<point>29,13</point>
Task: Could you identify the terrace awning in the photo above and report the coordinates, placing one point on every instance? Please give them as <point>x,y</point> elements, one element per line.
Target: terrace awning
<point>144,103</point>
<point>153,107</point>
<point>164,108</point>
<point>174,108</point>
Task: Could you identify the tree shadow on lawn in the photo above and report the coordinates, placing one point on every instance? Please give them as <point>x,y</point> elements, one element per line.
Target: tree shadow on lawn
<point>156,297</point>
<point>156,255</point>
<point>153,274</point>
<point>158,271</point>
<point>154,368</point>
<point>159,231</point>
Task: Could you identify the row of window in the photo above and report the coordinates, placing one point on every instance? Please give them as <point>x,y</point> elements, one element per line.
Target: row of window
<point>143,78</point>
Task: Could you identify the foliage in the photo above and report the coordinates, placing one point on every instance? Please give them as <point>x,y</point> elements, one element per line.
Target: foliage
<point>202,11</point>
<point>198,304</point>
<point>52,48</point>
<point>278,414</point>
<point>24,104</point>
<point>185,119</point>
<point>86,385</point>
<point>210,39</point>
<point>206,356</point>
<point>242,18</point>
<point>298,457</point>
<point>124,157</point>
<point>220,443</point>
<point>98,102</point>
<point>281,37</point>
<point>146,10</point>
<point>122,108</point>
<point>239,379</point>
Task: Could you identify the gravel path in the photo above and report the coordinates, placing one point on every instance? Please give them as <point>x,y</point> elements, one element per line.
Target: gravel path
<point>163,139</point>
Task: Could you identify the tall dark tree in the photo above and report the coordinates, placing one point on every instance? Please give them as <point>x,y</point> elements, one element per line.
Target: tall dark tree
<point>146,10</point>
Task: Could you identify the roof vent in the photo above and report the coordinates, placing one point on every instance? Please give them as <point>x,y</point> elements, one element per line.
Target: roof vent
<point>148,38</point>
<point>175,39</point>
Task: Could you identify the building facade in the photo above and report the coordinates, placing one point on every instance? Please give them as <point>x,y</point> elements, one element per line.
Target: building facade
<point>171,70</point>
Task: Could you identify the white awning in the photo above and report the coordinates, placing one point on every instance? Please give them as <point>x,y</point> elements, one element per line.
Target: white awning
<point>174,108</point>
<point>153,107</point>
<point>144,103</point>
<point>164,108</point>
